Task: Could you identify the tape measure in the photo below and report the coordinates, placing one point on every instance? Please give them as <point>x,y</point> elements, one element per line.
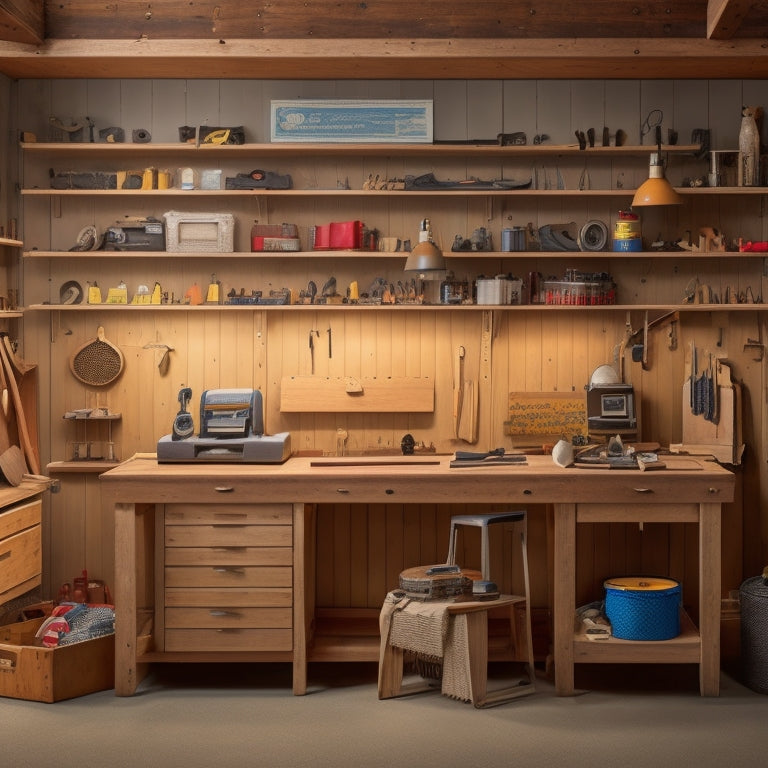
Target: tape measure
<point>593,236</point>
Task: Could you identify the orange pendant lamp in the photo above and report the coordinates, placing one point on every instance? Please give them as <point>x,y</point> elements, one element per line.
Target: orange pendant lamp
<point>656,190</point>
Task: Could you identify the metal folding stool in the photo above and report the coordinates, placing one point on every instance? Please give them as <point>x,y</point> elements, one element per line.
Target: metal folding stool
<point>484,521</point>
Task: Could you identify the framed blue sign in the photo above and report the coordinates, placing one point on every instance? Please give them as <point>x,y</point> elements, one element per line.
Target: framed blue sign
<point>385,121</point>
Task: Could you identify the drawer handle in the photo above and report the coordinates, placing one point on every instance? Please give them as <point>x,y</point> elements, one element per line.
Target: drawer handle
<point>224,569</point>
<point>342,490</point>
<point>229,549</point>
<point>643,490</point>
<point>224,613</point>
<point>228,525</point>
<point>224,488</point>
<point>713,490</point>
<point>5,555</point>
<point>228,515</point>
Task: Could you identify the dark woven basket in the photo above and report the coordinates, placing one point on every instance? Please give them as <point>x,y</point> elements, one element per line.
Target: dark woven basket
<point>753,596</point>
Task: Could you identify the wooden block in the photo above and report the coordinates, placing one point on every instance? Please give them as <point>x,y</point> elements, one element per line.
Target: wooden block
<point>648,466</point>
<point>317,394</point>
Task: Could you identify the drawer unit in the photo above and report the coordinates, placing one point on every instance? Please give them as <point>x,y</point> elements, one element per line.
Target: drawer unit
<point>20,550</point>
<point>228,578</point>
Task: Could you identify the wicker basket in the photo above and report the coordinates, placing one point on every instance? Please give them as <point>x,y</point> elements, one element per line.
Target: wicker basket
<point>753,596</point>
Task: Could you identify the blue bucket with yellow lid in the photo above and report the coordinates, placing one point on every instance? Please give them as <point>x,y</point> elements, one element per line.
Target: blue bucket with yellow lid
<point>643,607</point>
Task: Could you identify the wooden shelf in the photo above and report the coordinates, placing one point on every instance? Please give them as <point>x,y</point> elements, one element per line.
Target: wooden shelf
<point>343,149</point>
<point>336,193</point>
<point>475,255</point>
<point>339,193</point>
<point>685,648</point>
<point>80,467</point>
<point>8,243</point>
<point>69,255</point>
<point>86,418</point>
<point>395,307</point>
<point>356,637</point>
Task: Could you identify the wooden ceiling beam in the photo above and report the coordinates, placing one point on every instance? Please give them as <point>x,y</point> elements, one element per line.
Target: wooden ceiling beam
<point>724,17</point>
<point>22,21</point>
<point>388,59</point>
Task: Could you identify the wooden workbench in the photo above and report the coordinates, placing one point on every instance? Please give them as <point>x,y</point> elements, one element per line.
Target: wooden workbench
<point>158,506</point>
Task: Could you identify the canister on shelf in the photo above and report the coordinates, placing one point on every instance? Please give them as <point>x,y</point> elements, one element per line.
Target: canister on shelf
<point>626,232</point>
<point>513,239</point>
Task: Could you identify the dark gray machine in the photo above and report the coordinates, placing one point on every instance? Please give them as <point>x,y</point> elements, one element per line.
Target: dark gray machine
<point>611,409</point>
<point>231,431</point>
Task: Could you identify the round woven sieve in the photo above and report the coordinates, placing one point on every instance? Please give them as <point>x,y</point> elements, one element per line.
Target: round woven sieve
<point>98,362</point>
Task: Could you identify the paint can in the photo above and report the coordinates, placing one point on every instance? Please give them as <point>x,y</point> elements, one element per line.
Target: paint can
<point>626,232</point>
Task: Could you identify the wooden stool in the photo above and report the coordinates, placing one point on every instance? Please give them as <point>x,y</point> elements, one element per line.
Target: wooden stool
<point>476,615</point>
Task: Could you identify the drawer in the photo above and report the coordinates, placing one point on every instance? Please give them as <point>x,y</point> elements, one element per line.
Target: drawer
<point>229,556</point>
<point>228,535</point>
<point>261,597</point>
<point>20,558</point>
<point>228,576</point>
<point>195,640</point>
<point>19,518</point>
<point>228,617</point>
<point>222,514</point>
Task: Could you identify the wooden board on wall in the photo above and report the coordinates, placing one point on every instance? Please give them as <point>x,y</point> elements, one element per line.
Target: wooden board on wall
<point>350,394</point>
<point>546,415</point>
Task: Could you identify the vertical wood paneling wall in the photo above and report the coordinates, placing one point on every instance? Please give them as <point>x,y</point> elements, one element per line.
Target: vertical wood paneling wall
<point>362,549</point>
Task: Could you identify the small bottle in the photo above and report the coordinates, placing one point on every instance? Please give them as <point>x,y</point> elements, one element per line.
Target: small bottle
<point>446,289</point>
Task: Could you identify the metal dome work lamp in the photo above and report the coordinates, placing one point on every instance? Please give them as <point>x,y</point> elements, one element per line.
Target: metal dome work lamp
<point>656,190</point>
<point>426,259</point>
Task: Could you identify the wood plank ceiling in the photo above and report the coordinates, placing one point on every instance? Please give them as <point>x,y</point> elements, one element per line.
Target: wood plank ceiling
<point>386,39</point>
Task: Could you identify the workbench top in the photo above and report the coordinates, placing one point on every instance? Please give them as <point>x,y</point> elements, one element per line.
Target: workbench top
<point>415,479</point>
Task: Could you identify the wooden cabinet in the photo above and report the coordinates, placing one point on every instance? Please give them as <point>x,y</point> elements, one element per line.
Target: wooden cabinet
<point>228,578</point>
<point>20,543</point>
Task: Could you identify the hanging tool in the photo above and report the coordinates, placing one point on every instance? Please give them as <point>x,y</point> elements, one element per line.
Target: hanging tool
<point>4,393</point>
<point>645,343</point>
<point>312,335</point>
<point>458,389</point>
<point>30,450</point>
<point>692,377</point>
<point>165,358</point>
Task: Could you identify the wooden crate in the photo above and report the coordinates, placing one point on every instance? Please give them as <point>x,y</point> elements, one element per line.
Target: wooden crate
<point>36,673</point>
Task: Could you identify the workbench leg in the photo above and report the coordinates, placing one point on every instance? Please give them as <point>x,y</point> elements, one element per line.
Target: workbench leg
<point>126,673</point>
<point>299,601</point>
<point>564,596</point>
<point>710,525</point>
<point>477,647</point>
